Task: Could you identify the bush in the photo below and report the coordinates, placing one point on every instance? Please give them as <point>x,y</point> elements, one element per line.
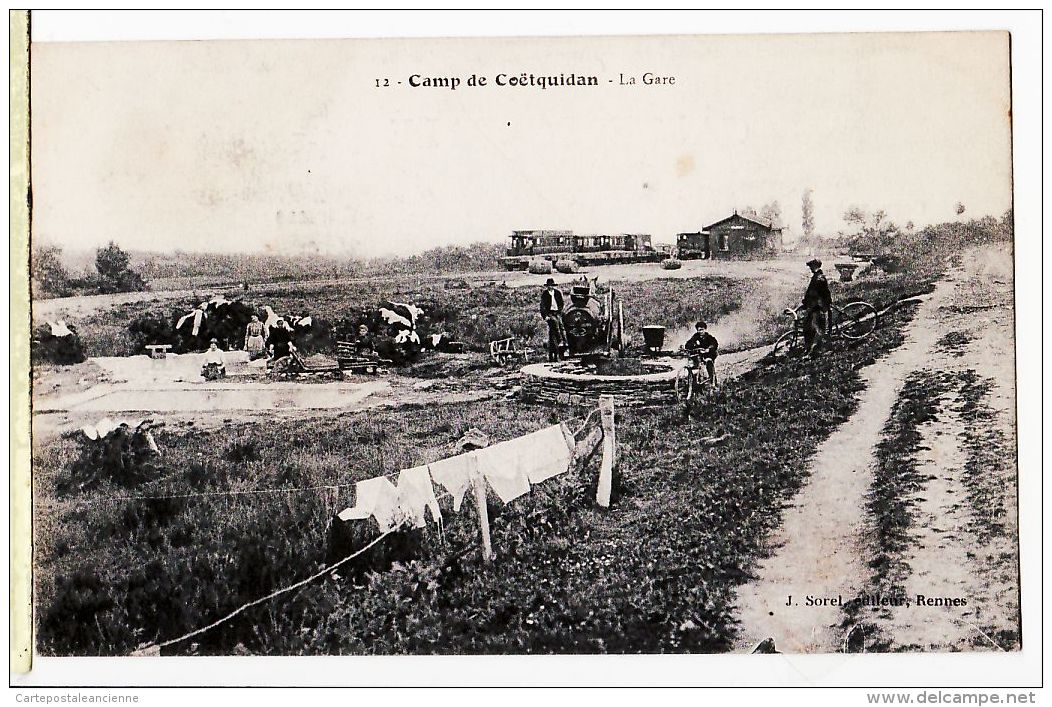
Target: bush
<point>114,273</point>
<point>671,264</point>
<point>45,347</point>
<point>49,276</point>
<point>540,267</point>
<point>566,266</point>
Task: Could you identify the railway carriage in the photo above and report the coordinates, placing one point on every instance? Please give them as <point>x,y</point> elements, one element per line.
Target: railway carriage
<point>584,249</point>
<point>693,246</point>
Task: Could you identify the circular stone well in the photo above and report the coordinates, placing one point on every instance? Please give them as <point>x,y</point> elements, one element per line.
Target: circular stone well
<point>575,383</point>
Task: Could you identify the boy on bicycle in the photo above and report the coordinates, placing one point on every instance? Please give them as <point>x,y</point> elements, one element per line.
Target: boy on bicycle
<point>704,346</point>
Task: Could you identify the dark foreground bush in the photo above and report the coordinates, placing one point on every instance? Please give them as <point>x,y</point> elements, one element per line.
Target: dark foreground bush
<point>46,347</point>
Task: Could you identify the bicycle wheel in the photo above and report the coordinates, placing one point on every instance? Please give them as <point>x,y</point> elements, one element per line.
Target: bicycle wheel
<point>685,386</point>
<point>785,344</point>
<point>857,320</point>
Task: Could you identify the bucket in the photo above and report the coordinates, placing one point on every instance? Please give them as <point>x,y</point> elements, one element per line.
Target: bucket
<point>654,336</point>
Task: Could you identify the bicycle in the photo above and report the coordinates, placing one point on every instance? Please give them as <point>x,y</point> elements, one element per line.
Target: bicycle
<point>852,322</point>
<point>691,381</point>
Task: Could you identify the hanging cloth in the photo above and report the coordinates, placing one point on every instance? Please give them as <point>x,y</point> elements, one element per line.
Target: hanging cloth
<point>508,480</point>
<point>512,466</point>
<point>375,497</point>
<point>59,328</point>
<point>197,315</point>
<point>454,475</point>
<point>416,494</point>
<point>544,453</point>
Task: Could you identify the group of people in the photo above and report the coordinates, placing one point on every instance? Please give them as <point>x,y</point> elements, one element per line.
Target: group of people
<point>275,341</point>
<point>815,311</point>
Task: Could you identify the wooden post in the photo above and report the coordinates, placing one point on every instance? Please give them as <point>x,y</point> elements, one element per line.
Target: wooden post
<point>330,496</point>
<point>606,468</point>
<point>479,485</point>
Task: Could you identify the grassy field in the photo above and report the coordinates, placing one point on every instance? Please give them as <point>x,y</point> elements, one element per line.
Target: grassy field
<point>475,316</point>
<point>749,312</point>
<point>653,574</point>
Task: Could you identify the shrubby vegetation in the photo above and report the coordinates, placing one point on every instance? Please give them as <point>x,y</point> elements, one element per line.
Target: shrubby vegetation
<point>474,316</point>
<point>113,273</point>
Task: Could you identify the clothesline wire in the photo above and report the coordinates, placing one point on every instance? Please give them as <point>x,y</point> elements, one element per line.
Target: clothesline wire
<point>202,494</point>
<point>246,492</point>
<point>285,590</point>
<point>320,573</point>
<point>584,424</point>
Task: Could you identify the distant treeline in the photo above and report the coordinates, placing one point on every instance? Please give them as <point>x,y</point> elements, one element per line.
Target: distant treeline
<point>252,267</point>
<point>58,274</point>
<point>878,236</point>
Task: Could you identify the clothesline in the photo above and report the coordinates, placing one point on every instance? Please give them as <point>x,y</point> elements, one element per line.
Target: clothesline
<point>202,494</point>
<point>156,648</point>
<point>246,492</point>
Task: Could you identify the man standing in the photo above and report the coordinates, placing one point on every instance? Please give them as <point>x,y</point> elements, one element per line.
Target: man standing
<point>552,313</point>
<point>816,306</point>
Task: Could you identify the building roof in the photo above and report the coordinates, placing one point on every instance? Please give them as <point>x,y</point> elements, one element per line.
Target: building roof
<point>758,220</point>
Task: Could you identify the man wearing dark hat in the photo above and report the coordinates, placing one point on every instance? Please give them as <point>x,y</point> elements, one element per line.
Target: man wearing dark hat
<point>816,306</point>
<point>552,313</point>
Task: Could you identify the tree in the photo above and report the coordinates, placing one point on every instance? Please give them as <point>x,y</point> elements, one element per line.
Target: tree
<point>807,208</point>
<point>772,212</point>
<point>876,233</point>
<point>959,208</point>
<point>50,277</point>
<point>114,273</point>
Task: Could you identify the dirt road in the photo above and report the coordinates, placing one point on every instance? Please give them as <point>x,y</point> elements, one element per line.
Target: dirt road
<point>820,554</point>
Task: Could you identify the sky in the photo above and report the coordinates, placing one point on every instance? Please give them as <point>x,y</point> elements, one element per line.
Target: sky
<point>288,146</point>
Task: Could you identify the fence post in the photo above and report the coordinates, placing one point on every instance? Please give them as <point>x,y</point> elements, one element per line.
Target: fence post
<point>606,468</point>
<point>479,485</point>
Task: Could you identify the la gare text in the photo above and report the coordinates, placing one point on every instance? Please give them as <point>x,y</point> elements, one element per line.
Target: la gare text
<point>525,80</point>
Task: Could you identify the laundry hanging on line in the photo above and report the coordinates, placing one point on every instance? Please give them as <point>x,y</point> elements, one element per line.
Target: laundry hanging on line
<point>538,456</point>
<point>453,474</point>
<point>509,467</point>
<point>509,481</point>
<point>377,498</point>
<point>416,495</point>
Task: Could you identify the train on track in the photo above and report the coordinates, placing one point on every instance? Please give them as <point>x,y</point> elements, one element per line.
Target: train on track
<point>583,249</point>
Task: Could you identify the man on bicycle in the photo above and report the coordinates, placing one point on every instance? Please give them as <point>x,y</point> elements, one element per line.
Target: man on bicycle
<point>704,346</point>
<point>816,307</point>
